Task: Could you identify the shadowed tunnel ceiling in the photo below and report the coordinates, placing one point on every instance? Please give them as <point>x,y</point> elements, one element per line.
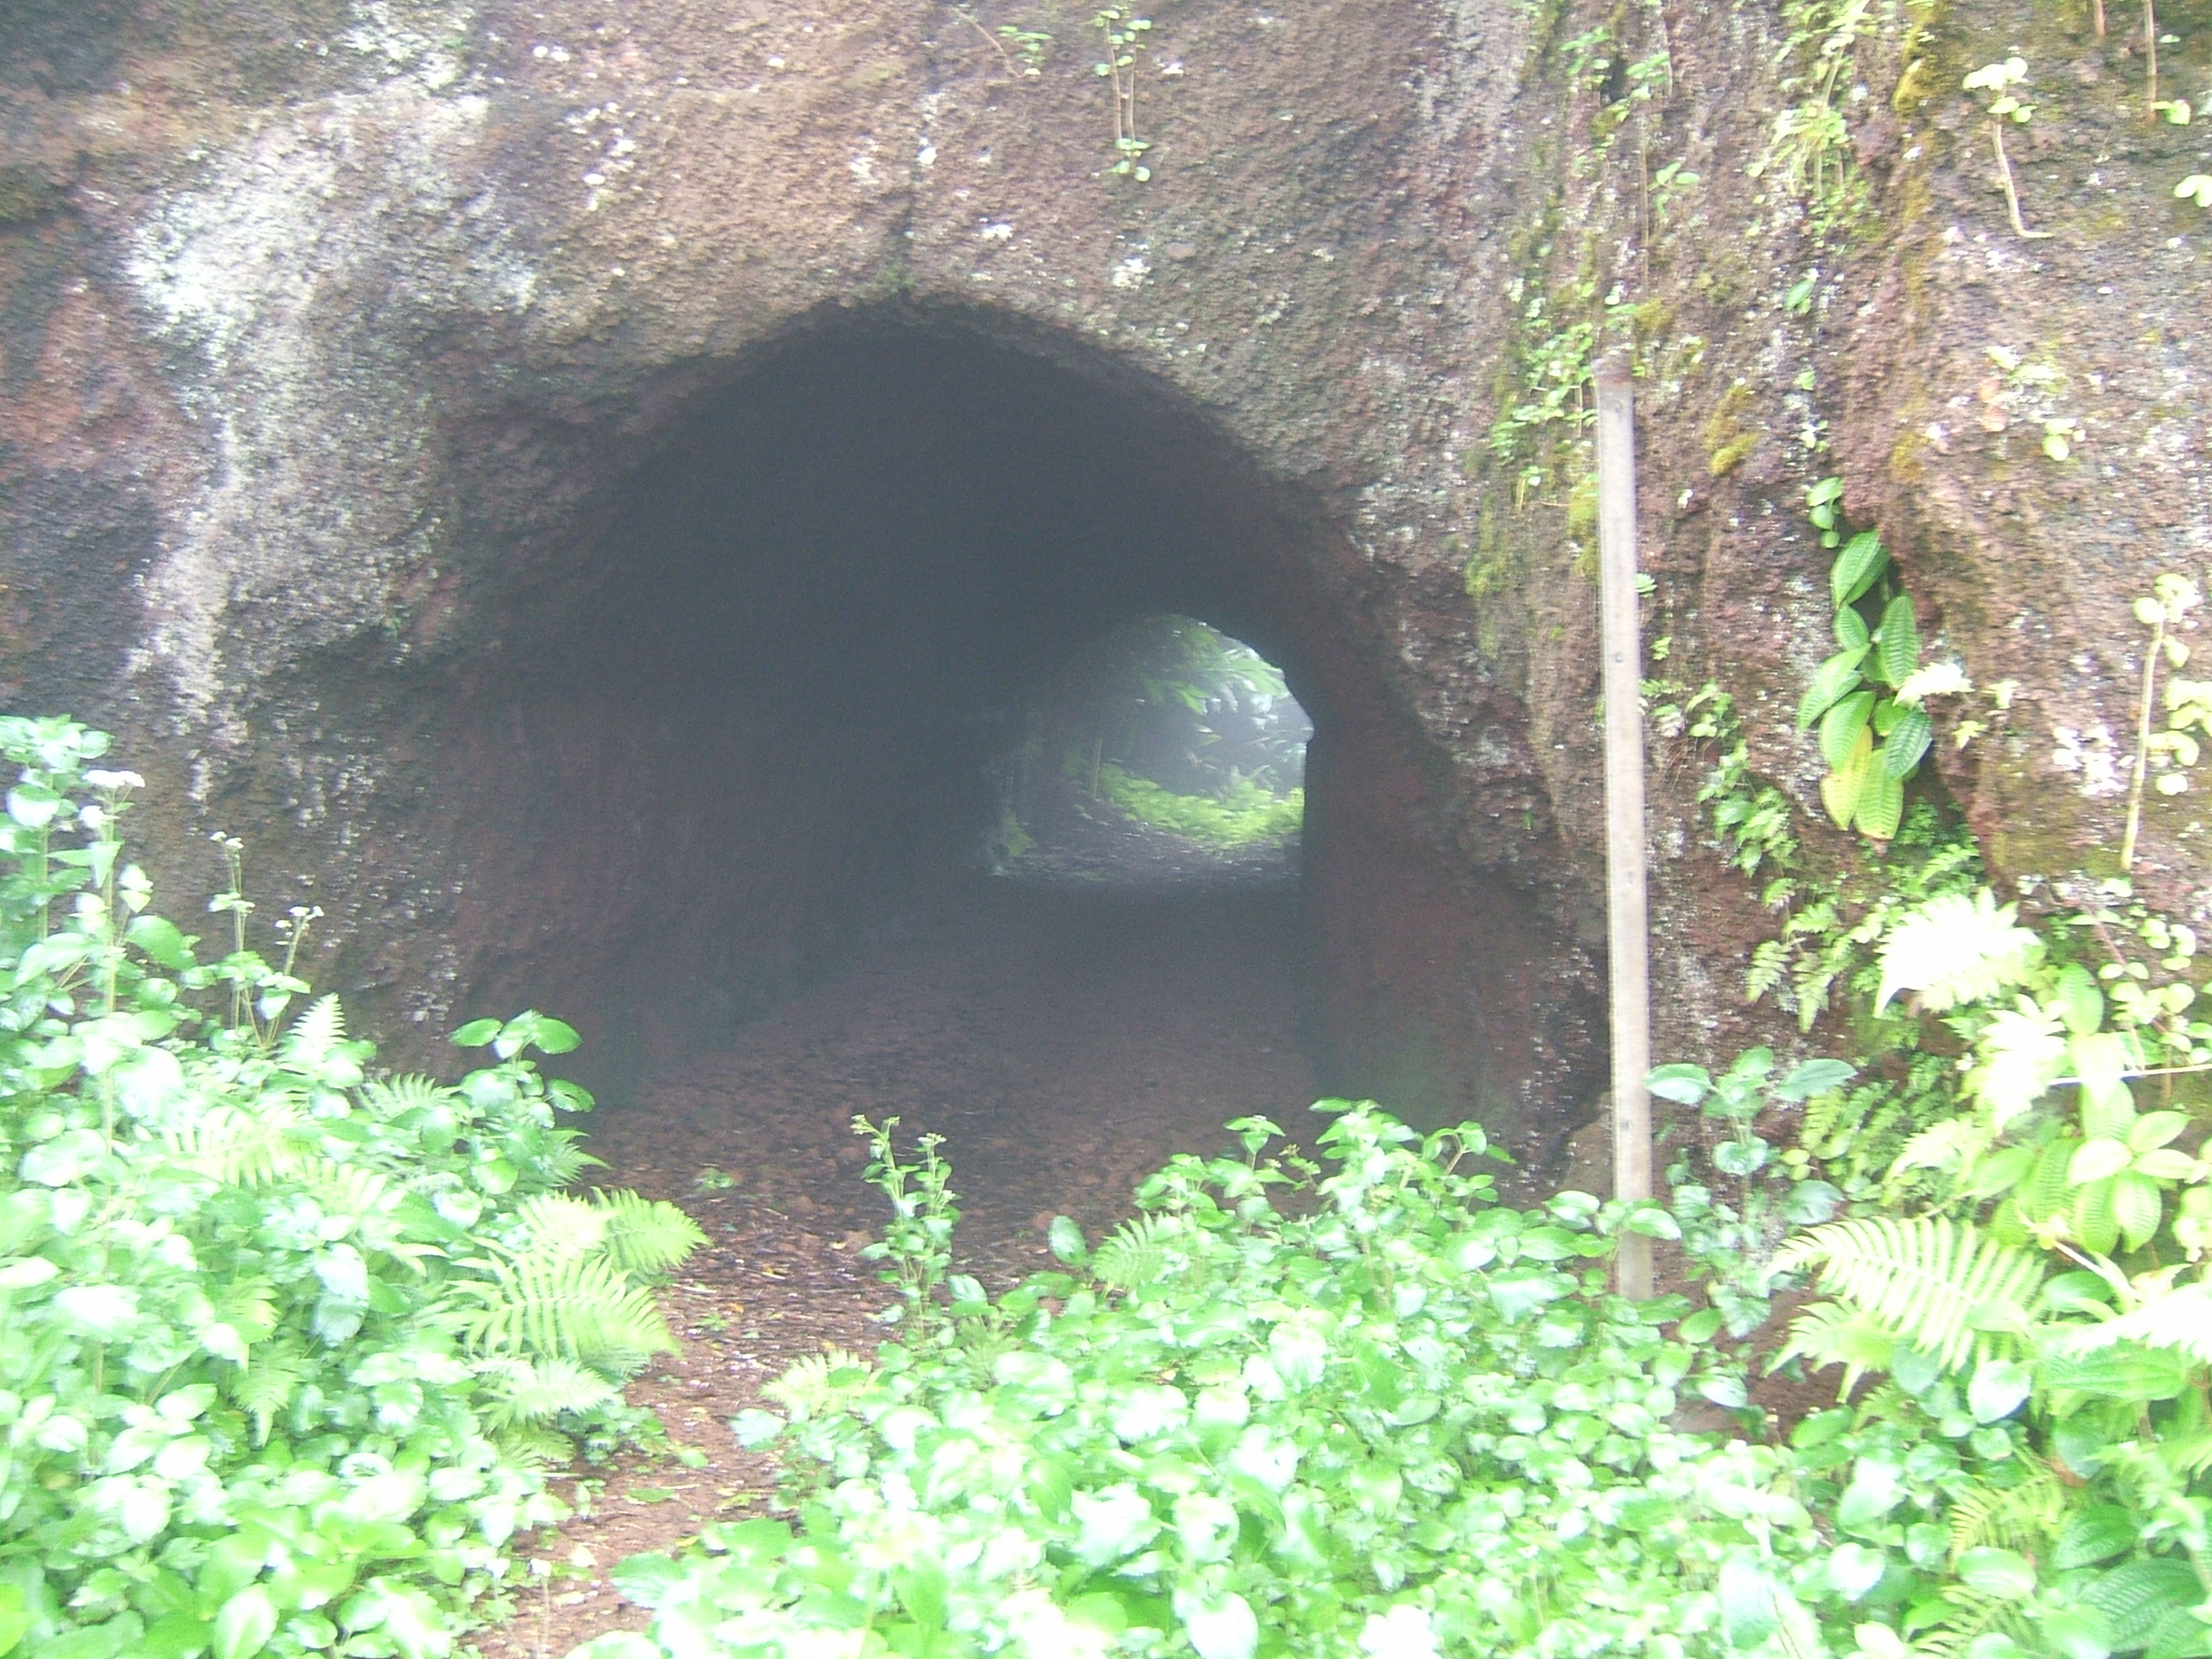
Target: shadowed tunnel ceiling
<point>748,713</point>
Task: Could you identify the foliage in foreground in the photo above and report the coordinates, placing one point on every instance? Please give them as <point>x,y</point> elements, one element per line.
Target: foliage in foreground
<point>1403,1420</point>
<point>286,1348</point>
<point>1392,1418</point>
<point>1244,811</point>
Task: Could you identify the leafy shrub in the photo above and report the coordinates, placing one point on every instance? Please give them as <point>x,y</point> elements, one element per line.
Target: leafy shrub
<point>1245,812</point>
<point>286,1346</point>
<point>1401,1421</point>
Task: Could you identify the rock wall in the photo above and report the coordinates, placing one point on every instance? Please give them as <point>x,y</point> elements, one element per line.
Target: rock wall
<point>398,416</point>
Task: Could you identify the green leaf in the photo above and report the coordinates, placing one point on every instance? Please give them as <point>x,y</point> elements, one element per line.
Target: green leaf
<point>1684,1085</point>
<point>1749,1602</point>
<point>475,1034</point>
<point>2095,1536</point>
<point>161,940</point>
<point>1066,1239</point>
<point>1862,560</point>
<point>1220,1627</point>
<point>1898,650</point>
<point>1999,1387</point>
<point>15,1616</point>
<point>1851,631</point>
<point>1841,726</point>
<point>2003,1573</point>
<point>245,1624</point>
<point>2095,1159</point>
<point>1907,742</point>
<point>1815,1077</point>
<point>1832,679</point>
<point>2137,1595</point>
<point>1881,806</point>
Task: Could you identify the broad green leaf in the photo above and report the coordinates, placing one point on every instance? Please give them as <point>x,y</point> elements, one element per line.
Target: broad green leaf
<point>1880,804</point>
<point>1860,563</point>
<point>2094,1536</point>
<point>1815,1077</point>
<point>475,1034</point>
<point>1907,742</point>
<point>1897,652</point>
<point>2137,1205</point>
<point>244,1624</point>
<point>1841,726</point>
<point>15,1616</point>
<point>1843,789</point>
<point>1065,1240</point>
<point>2095,1159</point>
<point>2003,1573</point>
<point>1685,1084</point>
<point>1999,1387</point>
<point>1851,631</point>
<point>1833,679</point>
<point>161,941</point>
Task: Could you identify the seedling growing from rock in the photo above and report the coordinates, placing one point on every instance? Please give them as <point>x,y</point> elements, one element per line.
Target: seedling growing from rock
<point>1998,79</point>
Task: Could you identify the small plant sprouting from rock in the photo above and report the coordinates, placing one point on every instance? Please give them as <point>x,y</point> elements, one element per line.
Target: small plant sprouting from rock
<point>1125,34</point>
<point>2188,704</point>
<point>1999,80</point>
<point>1022,48</point>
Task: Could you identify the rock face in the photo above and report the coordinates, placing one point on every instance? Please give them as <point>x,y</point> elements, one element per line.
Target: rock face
<point>576,484</point>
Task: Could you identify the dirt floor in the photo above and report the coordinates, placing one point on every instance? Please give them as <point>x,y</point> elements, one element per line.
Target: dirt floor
<point>1066,1028</point>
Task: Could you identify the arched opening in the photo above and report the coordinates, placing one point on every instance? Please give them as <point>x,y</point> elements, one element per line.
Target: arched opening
<point>1163,754</point>
<point>746,722</point>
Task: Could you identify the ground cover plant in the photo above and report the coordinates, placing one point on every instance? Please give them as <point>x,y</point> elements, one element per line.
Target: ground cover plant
<point>288,1345</point>
<point>1388,1416</point>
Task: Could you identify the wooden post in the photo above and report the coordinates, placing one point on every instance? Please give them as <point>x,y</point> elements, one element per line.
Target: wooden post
<point>1627,930</point>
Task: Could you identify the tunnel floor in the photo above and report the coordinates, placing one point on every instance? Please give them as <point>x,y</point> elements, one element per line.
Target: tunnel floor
<point>1064,1038</point>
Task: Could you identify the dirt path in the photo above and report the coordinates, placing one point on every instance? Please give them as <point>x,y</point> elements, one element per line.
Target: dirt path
<point>1065,1041</point>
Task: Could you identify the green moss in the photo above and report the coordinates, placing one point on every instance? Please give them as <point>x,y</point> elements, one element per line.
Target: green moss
<point>1727,439</point>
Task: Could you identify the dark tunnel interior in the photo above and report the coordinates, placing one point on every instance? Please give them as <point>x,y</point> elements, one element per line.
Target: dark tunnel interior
<point>746,724</point>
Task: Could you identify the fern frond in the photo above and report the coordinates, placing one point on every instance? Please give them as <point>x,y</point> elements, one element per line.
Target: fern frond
<point>2180,1319</point>
<point>1956,949</point>
<point>533,1390</point>
<point>821,1383</point>
<point>353,1189</point>
<point>1138,1252</point>
<point>1769,963</point>
<point>263,1387</point>
<point>1970,1614</point>
<point>2025,1517</point>
<point>395,1096</point>
<point>561,1227</point>
<point>244,1149</point>
<point>1830,1333</point>
<point>582,1307</point>
<point>314,1032</point>
<point>534,1446</point>
<point>644,1236</point>
<point>1937,1282</point>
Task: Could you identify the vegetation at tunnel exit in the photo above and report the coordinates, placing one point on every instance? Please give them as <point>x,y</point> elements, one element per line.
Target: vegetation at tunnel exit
<point>1174,724</point>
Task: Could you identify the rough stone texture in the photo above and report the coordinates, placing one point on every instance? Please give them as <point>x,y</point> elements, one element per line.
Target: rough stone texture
<point>373,375</point>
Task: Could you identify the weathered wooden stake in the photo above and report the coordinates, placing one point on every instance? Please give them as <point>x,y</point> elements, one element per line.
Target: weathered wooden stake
<point>1627,930</point>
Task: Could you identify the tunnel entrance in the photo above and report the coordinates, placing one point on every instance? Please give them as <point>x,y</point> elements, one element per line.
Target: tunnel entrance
<point>750,718</point>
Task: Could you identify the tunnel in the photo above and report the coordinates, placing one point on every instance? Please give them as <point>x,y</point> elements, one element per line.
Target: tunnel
<point>736,733</point>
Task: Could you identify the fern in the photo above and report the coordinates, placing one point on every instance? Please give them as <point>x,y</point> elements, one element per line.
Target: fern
<point>822,1382</point>
<point>1136,1253</point>
<point>263,1387</point>
<point>2180,1319</point>
<point>531,1390</point>
<point>1956,949</point>
<point>646,1236</point>
<point>1969,1615</point>
<point>244,1149</point>
<point>396,1097</point>
<point>582,1307</point>
<point>314,1033</point>
<point>534,1445</point>
<point>2026,1517</point>
<point>1937,1282</point>
<point>562,1228</point>
<point>1830,1333</point>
